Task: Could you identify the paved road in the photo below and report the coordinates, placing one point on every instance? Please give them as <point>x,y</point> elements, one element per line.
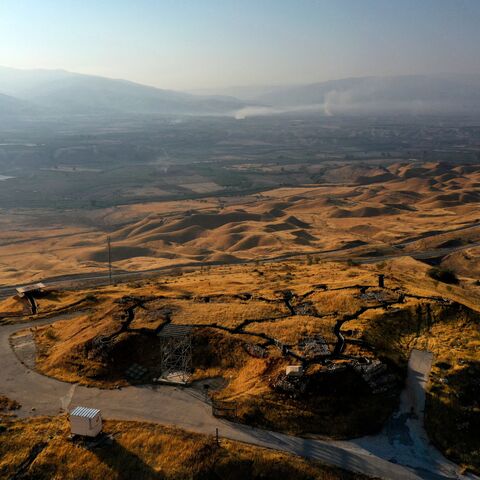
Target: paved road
<point>102,277</point>
<point>404,439</point>
<point>401,451</point>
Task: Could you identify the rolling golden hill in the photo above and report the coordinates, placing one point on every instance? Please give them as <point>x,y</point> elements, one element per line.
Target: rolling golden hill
<point>363,209</point>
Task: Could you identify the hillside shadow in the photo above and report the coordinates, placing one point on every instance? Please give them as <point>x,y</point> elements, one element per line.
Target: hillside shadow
<point>304,447</point>
<point>452,415</point>
<point>125,463</point>
<point>466,382</point>
<point>387,329</point>
<point>240,468</point>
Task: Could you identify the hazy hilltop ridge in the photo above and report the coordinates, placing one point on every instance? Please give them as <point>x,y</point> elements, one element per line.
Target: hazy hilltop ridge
<point>71,93</point>
<point>13,106</point>
<point>66,93</point>
<point>421,94</point>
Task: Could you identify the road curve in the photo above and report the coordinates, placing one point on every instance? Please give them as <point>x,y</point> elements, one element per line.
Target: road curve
<point>400,451</point>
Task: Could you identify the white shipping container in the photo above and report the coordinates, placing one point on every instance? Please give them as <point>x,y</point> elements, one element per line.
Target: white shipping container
<point>85,421</point>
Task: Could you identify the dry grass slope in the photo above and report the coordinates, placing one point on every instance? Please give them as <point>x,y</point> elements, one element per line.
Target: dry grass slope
<point>236,306</point>
<point>40,449</point>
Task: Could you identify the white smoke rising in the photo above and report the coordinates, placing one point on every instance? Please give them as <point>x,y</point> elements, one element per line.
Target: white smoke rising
<point>265,111</point>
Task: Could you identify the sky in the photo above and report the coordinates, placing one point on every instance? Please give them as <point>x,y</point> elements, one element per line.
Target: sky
<point>194,44</point>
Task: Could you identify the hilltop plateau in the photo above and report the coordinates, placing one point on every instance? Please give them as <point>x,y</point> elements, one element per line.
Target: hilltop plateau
<point>351,337</point>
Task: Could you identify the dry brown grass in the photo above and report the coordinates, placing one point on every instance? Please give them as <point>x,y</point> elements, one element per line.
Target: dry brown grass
<point>336,302</point>
<point>449,333</point>
<point>8,404</point>
<point>292,329</point>
<point>49,303</point>
<point>340,409</point>
<point>452,333</point>
<point>304,219</point>
<point>226,312</point>
<point>145,452</point>
<point>12,306</point>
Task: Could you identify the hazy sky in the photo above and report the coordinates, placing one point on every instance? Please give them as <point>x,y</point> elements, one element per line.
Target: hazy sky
<point>184,44</point>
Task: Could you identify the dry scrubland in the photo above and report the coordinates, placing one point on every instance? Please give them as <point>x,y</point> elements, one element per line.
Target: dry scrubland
<point>235,307</point>
<point>405,207</point>
<point>142,451</point>
<point>243,314</point>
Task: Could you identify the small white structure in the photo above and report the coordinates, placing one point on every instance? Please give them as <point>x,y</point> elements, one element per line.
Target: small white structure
<point>294,371</point>
<point>85,421</point>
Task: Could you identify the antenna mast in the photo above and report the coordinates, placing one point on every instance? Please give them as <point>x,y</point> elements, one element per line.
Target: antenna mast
<point>109,260</point>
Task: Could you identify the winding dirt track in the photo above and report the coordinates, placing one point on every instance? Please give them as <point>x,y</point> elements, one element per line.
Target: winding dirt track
<point>400,451</point>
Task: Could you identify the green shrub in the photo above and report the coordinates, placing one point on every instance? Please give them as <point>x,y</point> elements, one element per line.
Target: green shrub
<point>50,334</point>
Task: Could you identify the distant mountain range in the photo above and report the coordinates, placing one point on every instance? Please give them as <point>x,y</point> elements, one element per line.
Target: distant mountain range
<point>57,92</point>
<point>61,92</point>
<point>13,106</point>
<point>416,94</point>
<point>409,94</point>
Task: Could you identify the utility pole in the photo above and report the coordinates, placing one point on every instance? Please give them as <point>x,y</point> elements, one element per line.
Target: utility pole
<point>109,260</point>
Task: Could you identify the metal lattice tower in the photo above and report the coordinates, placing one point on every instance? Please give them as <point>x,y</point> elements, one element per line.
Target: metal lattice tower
<point>176,351</point>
